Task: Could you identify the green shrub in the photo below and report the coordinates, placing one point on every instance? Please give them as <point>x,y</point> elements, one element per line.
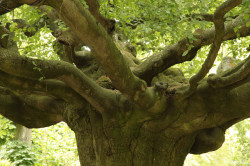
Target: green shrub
<point>18,153</point>
<point>7,129</point>
<point>4,162</point>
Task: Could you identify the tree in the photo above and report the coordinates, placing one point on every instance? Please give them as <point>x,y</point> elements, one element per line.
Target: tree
<point>125,111</point>
<point>23,134</point>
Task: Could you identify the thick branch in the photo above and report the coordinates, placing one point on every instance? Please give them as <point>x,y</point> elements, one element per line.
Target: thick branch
<point>35,69</point>
<point>220,81</point>
<point>209,108</point>
<point>172,54</point>
<point>103,48</point>
<point>218,39</point>
<point>94,6</point>
<point>14,109</point>
<point>53,87</point>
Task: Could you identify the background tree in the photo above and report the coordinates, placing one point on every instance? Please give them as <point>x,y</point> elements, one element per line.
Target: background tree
<point>126,111</point>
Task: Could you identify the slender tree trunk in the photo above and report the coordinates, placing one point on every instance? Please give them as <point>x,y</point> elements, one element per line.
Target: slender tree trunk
<point>23,134</point>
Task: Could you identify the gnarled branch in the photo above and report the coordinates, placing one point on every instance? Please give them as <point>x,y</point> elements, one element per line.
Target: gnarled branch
<point>30,116</point>
<point>28,68</point>
<point>104,49</point>
<point>172,54</point>
<point>218,20</point>
<point>243,72</point>
<point>52,87</point>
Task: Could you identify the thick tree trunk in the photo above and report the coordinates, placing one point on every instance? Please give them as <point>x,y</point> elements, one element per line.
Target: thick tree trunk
<point>102,144</point>
<point>146,149</point>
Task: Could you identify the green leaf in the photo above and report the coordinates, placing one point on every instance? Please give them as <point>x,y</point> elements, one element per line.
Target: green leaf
<point>34,63</point>
<point>237,28</point>
<point>246,16</point>
<point>185,53</point>
<point>4,35</point>
<point>248,24</point>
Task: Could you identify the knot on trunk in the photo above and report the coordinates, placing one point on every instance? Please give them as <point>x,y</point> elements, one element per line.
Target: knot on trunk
<point>208,140</point>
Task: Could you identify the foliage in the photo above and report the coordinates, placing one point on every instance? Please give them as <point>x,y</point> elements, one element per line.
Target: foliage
<point>18,153</point>
<point>7,129</point>
<point>37,46</point>
<point>234,48</point>
<point>151,25</point>
<point>4,162</point>
<point>50,146</point>
<point>55,145</point>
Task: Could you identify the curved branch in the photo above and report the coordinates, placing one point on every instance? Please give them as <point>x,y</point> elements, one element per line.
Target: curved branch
<point>34,69</point>
<point>14,109</point>
<point>104,49</point>
<point>218,20</point>
<point>242,73</point>
<point>53,87</point>
<point>172,54</point>
<point>208,140</point>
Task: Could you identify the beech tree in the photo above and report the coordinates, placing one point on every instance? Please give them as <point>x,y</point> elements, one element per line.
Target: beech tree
<point>125,110</point>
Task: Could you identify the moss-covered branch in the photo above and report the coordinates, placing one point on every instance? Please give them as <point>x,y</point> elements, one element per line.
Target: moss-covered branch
<point>94,7</point>
<point>49,87</point>
<point>35,69</point>
<point>173,54</point>
<point>242,73</point>
<point>44,113</point>
<point>103,48</point>
<point>218,20</point>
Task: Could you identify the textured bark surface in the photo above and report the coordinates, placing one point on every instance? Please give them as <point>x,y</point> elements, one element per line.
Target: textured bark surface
<point>122,110</point>
<point>23,134</point>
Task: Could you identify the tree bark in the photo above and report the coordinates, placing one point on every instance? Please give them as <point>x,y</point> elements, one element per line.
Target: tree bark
<point>150,115</point>
<point>149,149</point>
<point>23,134</point>
<point>102,144</point>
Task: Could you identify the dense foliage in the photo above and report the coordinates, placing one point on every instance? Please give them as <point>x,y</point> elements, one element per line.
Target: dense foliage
<point>7,130</point>
<point>18,153</point>
<point>50,146</point>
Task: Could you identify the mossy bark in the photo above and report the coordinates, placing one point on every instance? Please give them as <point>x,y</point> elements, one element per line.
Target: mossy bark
<point>103,143</point>
<point>123,111</point>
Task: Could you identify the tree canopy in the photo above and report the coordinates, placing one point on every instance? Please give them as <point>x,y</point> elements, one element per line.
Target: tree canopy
<point>108,69</point>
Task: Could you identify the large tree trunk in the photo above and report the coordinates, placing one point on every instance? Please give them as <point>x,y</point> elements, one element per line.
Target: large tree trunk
<point>101,143</point>
<point>148,149</point>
